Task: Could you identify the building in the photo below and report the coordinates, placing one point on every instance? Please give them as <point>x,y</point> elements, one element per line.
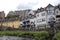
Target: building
<point>46,15</point>
<point>21,13</point>
<point>40,20</point>
<point>28,22</point>
<point>9,23</point>
<point>57,12</point>
<point>2,15</point>
<point>43,16</point>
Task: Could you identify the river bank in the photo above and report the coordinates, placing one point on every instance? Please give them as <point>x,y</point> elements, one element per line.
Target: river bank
<point>37,35</point>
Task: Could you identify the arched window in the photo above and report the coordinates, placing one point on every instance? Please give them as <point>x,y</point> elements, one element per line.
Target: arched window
<point>51,18</point>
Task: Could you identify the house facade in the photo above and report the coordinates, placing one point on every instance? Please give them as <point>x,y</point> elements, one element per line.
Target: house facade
<point>57,12</point>
<point>41,18</point>
<point>46,15</point>
<point>12,23</point>
<point>28,22</point>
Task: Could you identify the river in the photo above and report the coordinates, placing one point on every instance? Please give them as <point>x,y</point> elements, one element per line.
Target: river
<point>14,38</point>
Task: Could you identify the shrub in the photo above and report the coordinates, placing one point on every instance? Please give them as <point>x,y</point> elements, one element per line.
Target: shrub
<point>42,35</point>
<point>38,35</point>
<point>57,36</point>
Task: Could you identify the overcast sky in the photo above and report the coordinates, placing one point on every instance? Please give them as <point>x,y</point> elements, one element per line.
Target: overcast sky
<point>8,5</point>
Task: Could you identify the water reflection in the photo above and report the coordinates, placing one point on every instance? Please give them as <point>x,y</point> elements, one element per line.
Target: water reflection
<point>27,39</point>
<point>14,38</point>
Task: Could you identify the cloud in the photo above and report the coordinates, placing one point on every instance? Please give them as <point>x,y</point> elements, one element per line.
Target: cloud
<point>34,4</point>
<point>28,5</point>
<point>8,5</point>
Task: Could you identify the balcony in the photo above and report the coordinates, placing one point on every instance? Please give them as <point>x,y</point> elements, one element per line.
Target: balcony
<point>57,20</point>
<point>57,16</point>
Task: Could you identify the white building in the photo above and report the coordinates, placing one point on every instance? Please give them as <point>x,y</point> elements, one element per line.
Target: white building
<point>45,15</point>
<point>40,20</point>
<point>28,22</point>
<point>57,12</point>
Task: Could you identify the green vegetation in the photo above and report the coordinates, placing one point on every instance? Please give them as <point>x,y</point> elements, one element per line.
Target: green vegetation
<point>57,36</point>
<point>11,15</point>
<point>11,33</point>
<point>38,35</point>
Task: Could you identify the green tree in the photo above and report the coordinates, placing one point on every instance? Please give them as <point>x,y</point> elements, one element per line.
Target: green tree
<point>11,15</point>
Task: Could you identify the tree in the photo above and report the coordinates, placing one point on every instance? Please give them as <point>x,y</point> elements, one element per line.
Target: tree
<point>11,15</point>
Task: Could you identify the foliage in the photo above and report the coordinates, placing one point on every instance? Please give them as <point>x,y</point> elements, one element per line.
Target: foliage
<point>38,35</point>
<point>43,35</point>
<point>58,27</point>
<point>11,15</point>
<point>57,36</point>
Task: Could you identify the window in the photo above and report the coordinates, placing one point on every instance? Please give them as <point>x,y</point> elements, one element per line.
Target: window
<point>56,11</point>
<point>30,14</point>
<point>50,12</point>
<point>43,19</point>
<point>39,20</point>
<point>43,14</point>
<point>38,15</point>
<point>51,18</point>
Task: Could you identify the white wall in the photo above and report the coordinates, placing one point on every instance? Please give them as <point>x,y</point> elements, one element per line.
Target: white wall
<point>52,13</point>
<point>39,17</point>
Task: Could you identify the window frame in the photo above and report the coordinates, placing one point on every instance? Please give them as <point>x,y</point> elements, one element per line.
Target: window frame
<point>50,12</point>
<point>43,14</point>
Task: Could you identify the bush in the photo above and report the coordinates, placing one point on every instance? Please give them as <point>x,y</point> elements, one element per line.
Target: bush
<point>57,36</point>
<point>38,35</point>
<point>42,35</point>
<point>20,34</point>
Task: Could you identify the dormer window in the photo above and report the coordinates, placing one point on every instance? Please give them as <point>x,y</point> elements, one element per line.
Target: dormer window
<point>30,15</point>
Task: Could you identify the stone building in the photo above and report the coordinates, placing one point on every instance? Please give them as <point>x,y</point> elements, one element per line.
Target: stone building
<point>21,13</point>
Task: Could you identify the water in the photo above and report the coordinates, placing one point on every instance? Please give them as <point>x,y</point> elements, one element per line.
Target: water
<point>14,38</point>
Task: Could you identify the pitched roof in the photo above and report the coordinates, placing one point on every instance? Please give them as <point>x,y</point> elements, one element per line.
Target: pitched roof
<point>49,5</point>
<point>40,10</point>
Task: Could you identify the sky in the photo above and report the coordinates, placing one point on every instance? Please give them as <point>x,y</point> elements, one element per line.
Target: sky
<point>12,5</point>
